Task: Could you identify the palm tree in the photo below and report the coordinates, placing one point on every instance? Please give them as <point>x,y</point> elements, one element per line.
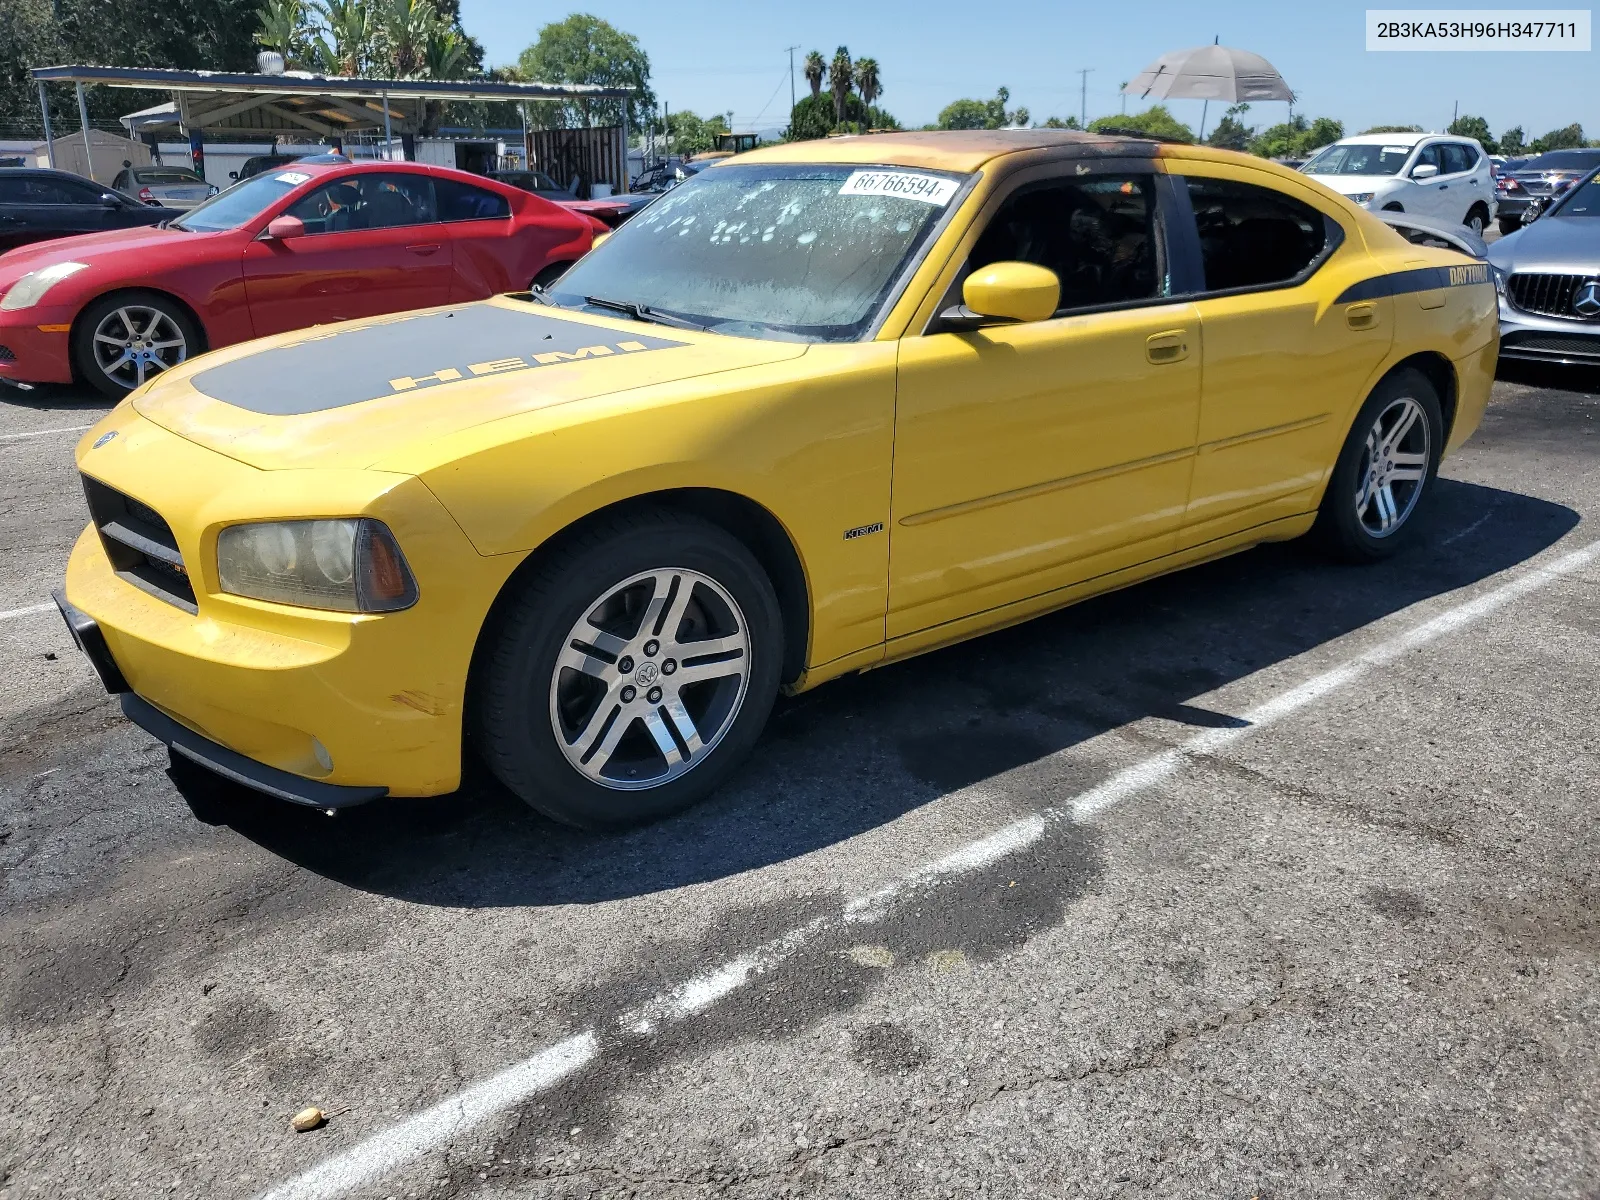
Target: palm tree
<point>868,82</point>
<point>446,54</point>
<point>404,28</point>
<point>814,72</point>
<point>285,26</point>
<point>350,24</point>
<point>840,77</point>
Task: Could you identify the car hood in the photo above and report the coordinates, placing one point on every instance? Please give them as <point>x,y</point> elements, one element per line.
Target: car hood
<point>354,395</point>
<point>91,248</point>
<point>1570,244</point>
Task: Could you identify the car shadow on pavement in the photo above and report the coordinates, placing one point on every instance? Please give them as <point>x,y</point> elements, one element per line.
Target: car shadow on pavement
<point>861,752</point>
<point>1582,381</point>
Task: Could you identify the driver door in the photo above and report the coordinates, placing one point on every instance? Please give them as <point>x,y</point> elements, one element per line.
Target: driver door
<point>373,245</point>
<point>1034,456</point>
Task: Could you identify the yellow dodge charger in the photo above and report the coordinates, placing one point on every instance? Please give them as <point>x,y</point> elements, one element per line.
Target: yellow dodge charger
<point>819,408</point>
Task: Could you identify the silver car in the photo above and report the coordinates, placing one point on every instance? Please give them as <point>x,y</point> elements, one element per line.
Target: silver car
<point>1548,277</point>
<point>170,187</point>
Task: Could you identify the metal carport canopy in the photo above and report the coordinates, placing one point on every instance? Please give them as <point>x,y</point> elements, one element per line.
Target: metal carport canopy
<point>300,102</point>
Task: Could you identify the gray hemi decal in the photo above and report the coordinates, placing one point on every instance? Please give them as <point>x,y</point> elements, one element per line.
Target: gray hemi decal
<point>394,356</point>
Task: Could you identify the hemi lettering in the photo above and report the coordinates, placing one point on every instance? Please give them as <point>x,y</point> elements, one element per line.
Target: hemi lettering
<point>407,382</point>
<point>499,364</point>
<point>560,356</point>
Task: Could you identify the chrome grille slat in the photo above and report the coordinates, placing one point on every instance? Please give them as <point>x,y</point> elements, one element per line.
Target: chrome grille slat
<point>1545,293</point>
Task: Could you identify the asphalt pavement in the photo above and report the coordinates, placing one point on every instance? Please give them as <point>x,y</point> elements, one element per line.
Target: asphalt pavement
<point>1270,878</point>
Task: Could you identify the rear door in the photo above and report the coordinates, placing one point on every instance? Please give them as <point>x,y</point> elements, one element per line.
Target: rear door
<point>373,245</point>
<point>1285,364</point>
<point>485,258</point>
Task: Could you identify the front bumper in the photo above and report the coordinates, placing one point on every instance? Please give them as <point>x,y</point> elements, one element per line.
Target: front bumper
<point>1534,338</point>
<point>37,345</point>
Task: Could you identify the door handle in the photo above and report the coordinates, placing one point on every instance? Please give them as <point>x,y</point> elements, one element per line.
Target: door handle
<point>423,249</point>
<point>1169,346</point>
<point>1361,316</point>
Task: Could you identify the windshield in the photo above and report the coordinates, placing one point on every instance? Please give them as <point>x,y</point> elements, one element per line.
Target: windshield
<point>241,202</point>
<point>1358,160</point>
<point>1584,201</point>
<point>792,252</point>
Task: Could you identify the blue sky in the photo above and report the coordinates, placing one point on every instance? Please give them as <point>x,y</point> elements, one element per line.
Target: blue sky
<point>712,57</point>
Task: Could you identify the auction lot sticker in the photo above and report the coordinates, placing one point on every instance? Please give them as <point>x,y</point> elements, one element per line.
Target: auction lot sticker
<point>1478,29</point>
<point>930,189</point>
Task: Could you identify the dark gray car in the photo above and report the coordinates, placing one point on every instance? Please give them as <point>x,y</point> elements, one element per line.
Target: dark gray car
<point>1537,180</point>
<point>1548,277</point>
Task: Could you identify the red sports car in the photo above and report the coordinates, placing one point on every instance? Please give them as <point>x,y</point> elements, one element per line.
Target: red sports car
<point>305,245</point>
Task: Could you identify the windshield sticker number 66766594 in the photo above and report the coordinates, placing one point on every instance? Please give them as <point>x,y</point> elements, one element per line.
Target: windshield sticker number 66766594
<point>905,185</point>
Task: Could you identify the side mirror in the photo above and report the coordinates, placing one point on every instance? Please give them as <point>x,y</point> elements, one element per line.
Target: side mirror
<point>109,200</point>
<point>1532,212</point>
<point>233,175</point>
<point>1006,292</point>
<point>1424,171</point>
<point>281,229</point>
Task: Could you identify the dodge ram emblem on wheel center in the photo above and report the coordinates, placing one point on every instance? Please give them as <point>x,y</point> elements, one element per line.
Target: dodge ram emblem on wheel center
<point>646,675</point>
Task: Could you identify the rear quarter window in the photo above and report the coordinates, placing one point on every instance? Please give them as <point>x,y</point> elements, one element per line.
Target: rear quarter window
<point>1253,236</point>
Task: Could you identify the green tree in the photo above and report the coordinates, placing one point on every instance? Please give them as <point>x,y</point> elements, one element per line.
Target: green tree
<point>869,80</point>
<point>815,117</point>
<point>691,134</point>
<point>1231,133</point>
<point>286,26</point>
<point>815,69</point>
<point>1566,138</point>
<point>1512,142</point>
<point>1058,123</point>
<point>585,49</point>
<point>1394,129</point>
<point>982,114</point>
<point>1324,131</point>
<point>345,44</point>
<point>1157,120</point>
<point>841,77</point>
<point>1296,137</point>
<point>1475,127</point>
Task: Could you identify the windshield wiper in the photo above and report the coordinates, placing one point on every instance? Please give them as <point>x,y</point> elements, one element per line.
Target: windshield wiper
<point>537,292</point>
<point>643,312</point>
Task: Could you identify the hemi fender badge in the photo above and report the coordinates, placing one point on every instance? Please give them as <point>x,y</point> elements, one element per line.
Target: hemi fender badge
<point>863,530</point>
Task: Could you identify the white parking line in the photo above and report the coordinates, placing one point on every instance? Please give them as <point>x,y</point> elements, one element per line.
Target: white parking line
<point>27,612</point>
<point>415,1136</point>
<point>17,437</point>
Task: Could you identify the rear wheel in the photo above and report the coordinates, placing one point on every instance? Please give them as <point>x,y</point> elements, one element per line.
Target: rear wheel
<point>1477,220</point>
<point>1385,471</point>
<point>627,678</point>
<point>124,339</point>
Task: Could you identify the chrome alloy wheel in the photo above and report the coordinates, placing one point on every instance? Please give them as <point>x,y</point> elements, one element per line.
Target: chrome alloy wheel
<point>137,341</point>
<point>1394,467</point>
<point>650,678</point>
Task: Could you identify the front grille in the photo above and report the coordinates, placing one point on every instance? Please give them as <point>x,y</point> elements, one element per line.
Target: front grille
<point>6,355</point>
<point>140,545</point>
<point>1551,295</point>
<point>1554,345</point>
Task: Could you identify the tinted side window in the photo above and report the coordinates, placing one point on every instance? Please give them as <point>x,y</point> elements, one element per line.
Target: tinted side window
<point>463,202</point>
<point>13,190</point>
<point>1252,236</point>
<point>367,201</point>
<point>1429,157</point>
<point>1097,234</point>
<point>1456,159</point>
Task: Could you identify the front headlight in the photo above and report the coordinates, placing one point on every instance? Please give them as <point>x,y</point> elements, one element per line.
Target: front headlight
<point>1499,278</point>
<point>346,565</point>
<point>30,289</point>
<point>1362,197</point>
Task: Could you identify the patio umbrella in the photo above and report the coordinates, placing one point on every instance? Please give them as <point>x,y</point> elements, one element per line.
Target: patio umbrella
<point>1210,73</point>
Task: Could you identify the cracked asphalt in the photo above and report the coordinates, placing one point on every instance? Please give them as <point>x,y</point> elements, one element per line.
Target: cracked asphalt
<point>1352,953</point>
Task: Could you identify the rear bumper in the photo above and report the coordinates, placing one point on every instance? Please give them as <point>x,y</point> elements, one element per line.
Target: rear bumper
<point>32,354</point>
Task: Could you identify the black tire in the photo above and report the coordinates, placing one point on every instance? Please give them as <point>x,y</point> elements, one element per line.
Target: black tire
<point>1508,225</point>
<point>1477,219</point>
<point>1341,527</point>
<point>88,367</point>
<point>550,274</point>
<point>511,709</point>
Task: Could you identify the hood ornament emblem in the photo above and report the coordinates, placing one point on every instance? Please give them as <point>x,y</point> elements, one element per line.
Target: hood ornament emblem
<point>1586,303</point>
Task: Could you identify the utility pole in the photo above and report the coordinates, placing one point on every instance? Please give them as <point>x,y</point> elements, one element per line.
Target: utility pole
<point>1455,113</point>
<point>1083,95</point>
<point>791,49</point>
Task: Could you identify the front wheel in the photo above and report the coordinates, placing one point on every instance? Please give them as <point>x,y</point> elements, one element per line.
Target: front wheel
<point>124,339</point>
<point>627,678</point>
<point>1385,470</point>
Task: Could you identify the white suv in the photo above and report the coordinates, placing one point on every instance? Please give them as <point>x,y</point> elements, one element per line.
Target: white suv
<point>1430,174</point>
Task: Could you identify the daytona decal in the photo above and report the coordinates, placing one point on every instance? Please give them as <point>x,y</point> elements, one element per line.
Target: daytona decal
<point>1419,279</point>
